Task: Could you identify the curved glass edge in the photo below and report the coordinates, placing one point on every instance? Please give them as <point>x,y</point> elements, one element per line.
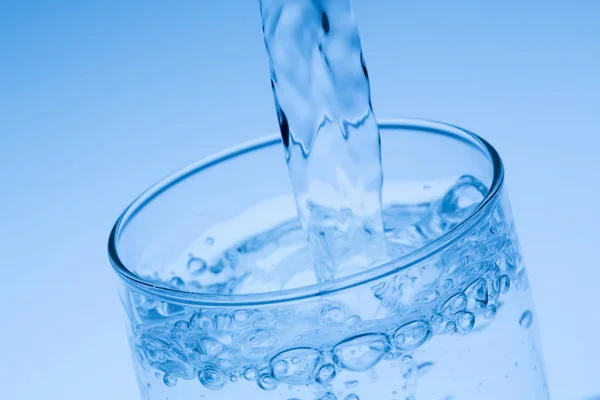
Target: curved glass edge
<point>322,289</point>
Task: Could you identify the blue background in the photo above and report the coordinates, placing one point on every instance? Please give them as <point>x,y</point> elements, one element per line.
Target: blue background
<point>100,99</point>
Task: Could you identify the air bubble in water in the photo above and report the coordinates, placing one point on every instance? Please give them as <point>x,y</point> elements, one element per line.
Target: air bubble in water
<point>351,396</point>
<point>177,282</point>
<point>260,340</point>
<point>423,368</point>
<point>526,319</point>
<point>201,322</point>
<point>412,335</point>
<point>326,374</point>
<point>332,315</point>
<point>196,265</point>
<point>450,327</point>
<point>295,366</point>
<point>209,241</point>
<point>250,373</point>
<point>445,286</point>
<point>328,396</point>
<point>490,311</point>
<point>222,322</point>
<point>465,321</point>
<point>361,352</point>
<point>211,378</point>
<point>267,382</point>
<point>504,283</point>
<point>454,304</point>
<point>436,322</point>
<point>242,316</point>
<point>462,199</point>
<point>169,380</point>
<point>210,346</point>
<point>351,384</point>
<point>225,360</point>
<point>477,295</point>
<point>167,309</point>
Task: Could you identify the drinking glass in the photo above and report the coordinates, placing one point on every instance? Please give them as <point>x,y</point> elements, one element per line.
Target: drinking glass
<point>221,301</point>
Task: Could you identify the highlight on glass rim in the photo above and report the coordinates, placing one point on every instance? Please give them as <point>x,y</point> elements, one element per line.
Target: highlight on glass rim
<point>378,276</point>
<point>299,200</point>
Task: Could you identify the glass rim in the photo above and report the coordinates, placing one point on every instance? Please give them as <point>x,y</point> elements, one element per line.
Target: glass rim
<point>377,272</point>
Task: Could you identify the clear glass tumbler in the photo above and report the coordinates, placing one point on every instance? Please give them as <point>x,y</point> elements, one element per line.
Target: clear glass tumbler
<point>221,301</point>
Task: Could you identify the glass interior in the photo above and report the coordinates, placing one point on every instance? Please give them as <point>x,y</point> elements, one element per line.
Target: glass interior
<point>208,208</point>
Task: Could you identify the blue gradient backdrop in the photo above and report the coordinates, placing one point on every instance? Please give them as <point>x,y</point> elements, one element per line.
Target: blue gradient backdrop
<point>98,99</point>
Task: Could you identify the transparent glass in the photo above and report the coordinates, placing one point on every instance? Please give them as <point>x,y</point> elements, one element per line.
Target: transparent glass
<point>451,319</point>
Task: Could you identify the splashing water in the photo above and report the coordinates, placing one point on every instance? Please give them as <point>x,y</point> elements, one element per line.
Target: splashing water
<point>449,326</point>
<point>322,96</point>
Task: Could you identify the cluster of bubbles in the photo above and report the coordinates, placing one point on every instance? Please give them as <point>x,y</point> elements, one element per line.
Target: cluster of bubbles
<point>312,344</point>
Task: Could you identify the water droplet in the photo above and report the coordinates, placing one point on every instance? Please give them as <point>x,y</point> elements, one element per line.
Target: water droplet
<point>250,373</point>
<point>526,319</point>
<point>361,352</point>
<point>211,378</point>
<point>295,366</point>
<point>465,321</point>
<point>490,312</point>
<point>332,315</point>
<point>328,396</point>
<point>412,335</point>
<point>477,295</point>
<point>504,283</point>
<point>326,374</point>
<point>233,378</point>
<point>169,380</point>
<point>148,386</point>
<point>209,241</point>
<point>267,382</point>
<point>351,384</point>
<point>407,359</point>
<point>351,396</point>
<point>196,265</point>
